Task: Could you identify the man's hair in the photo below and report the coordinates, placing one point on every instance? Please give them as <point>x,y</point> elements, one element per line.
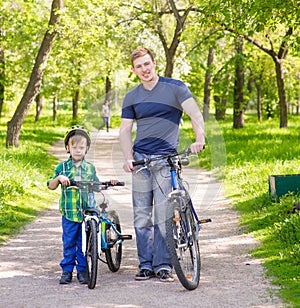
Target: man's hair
<point>140,52</point>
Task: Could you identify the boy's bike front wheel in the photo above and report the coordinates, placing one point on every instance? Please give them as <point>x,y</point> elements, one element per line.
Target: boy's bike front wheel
<point>92,253</point>
<point>181,234</point>
<point>113,253</point>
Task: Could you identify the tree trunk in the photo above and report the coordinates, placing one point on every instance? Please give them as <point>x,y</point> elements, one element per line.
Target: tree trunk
<point>54,108</point>
<point>259,107</point>
<point>39,99</point>
<point>171,51</point>
<point>221,105</point>
<point>238,105</point>
<point>281,93</point>
<point>207,84</point>
<point>33,87</point>
<point>2,75</point>
<point>108,89</point>
<point>75,102</point>
<point>258,90</point>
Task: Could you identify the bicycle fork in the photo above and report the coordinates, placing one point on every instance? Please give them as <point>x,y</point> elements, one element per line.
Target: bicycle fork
<point>84,232</point>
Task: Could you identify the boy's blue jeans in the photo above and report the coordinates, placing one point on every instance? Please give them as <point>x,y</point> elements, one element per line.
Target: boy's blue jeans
<point>150,188</point>
<point>72,247</point>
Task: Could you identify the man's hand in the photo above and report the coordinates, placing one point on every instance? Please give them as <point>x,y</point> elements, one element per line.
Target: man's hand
<point>197,147</point>
<point>127,166</point>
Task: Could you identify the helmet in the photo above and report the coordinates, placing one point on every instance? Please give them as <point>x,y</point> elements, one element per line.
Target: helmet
<point>80,130</point>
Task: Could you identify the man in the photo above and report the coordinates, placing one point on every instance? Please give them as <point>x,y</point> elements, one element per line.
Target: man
<point>157,105</point>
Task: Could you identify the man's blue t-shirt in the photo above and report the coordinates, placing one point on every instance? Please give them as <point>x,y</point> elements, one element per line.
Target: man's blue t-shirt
<point>157,114</point>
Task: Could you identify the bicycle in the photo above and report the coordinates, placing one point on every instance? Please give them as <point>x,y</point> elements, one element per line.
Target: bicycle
<point>101,230</point>
<point>182,222</point>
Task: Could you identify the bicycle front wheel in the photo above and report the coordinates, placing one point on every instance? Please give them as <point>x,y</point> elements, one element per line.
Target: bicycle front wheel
<point>113,253</point>
<point>182,243</point>
<point>92,253</point>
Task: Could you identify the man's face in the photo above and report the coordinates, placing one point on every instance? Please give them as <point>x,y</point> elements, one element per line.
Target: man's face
<point>144,68</point>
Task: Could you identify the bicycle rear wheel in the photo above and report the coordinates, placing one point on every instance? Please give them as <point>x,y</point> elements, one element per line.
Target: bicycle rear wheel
<point>92,253</point>
<point>182,243</point>
<point>113,253</point>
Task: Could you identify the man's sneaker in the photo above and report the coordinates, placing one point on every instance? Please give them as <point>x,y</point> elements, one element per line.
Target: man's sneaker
<point>144,274</point>
<point>165,276</point>
<point>82,277</point>
<point>66,277</point>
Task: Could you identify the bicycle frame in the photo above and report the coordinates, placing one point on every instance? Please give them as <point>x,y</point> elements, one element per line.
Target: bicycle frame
<point>175,176</point>
<point>101,221</point>
<point>176,188</point>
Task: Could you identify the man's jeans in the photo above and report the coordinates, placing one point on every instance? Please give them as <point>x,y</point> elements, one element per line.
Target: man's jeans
<point>150,188</point>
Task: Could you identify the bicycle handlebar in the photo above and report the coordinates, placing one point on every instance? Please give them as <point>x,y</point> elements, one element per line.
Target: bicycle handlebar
<point>105,185</point>
<point>185,152</point>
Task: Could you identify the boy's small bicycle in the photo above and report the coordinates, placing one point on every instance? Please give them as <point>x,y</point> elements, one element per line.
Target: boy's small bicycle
<point>101,230</point>
<point>182,222</point>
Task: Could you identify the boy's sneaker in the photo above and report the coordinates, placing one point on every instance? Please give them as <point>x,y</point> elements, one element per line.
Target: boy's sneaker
<point>66,277</point>
<point>82,277</point>
<point>144,274</point>
<point>165,276</point>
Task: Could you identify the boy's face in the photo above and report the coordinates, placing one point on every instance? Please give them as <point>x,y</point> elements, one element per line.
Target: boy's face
<point>77,148</point>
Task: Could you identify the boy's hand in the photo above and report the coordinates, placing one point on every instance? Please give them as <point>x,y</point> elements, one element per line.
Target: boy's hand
<point>63,180</point>
<point>114,182</point>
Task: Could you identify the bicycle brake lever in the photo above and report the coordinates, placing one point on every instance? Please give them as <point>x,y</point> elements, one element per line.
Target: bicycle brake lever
<point>140,169</point>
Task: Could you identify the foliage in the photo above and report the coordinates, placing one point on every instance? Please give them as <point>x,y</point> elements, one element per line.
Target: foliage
<point>96,38</point>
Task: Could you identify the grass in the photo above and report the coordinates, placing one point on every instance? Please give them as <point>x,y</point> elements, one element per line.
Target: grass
<point>23,174</point>
<point>242,158</point>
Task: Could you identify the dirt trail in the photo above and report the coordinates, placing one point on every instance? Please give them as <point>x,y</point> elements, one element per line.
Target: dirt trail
<point>230,277</point>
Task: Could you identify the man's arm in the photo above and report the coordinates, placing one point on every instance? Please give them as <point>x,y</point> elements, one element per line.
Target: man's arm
<point>126,143</point>
<point>191,108</point>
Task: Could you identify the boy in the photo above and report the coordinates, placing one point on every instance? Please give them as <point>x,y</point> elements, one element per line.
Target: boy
<point>77,142</point>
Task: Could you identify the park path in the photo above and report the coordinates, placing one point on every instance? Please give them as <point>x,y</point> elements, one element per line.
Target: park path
<point>230,277</point>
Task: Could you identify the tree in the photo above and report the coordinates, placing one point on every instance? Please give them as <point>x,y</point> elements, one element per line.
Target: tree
<point>167,20</point>
<point>239,104</point>
<point>278,58</point>
<point>263,23</point>
<point>207,84</point>
<point>33,87</point>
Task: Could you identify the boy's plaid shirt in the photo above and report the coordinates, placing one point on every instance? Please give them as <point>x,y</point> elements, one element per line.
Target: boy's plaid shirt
<point>71,199</point>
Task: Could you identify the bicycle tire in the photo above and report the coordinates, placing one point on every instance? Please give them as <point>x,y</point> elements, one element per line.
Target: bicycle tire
<point>113,253</point>
<point>184,250</point>
<point>92,253</point>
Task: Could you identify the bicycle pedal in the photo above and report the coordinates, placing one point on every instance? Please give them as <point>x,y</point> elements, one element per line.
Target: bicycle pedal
<point>126,237</point>
<point>204,221</point>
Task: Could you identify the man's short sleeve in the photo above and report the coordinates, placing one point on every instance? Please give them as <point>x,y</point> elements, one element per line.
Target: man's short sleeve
<point>128,107</point>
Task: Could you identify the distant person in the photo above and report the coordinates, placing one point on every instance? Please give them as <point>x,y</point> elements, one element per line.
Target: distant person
<point>156,105</point>
<point>105,115</point>
<point>77,143</point>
